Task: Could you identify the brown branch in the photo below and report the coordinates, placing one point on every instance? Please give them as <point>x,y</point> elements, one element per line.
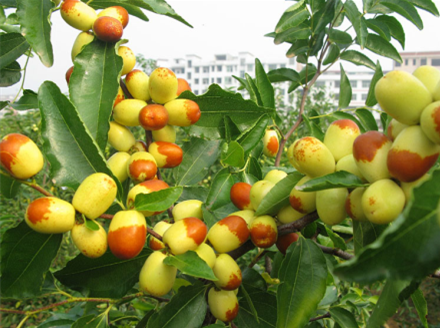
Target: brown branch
<point>336,252</point>
<point>124,88</point>
<point>106,216</point>
<point>327,315</point>
<point>154,234</point>
<point>256,259</point>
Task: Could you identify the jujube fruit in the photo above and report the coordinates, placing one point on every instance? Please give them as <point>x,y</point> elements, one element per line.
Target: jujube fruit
<point>145,187</point>
<point>167,154</point>
<point>157,278</point>
<point>285,241</point>
<point>141,166</point>
<point>228,234</point>
<point>258,191</point>
<point>263,231</point>
<point>91,243</point>
<point>185,235</point>
<point>120,137</point>
<point>275,176</point>
<point>160,228</point>
<point>83,39</point>
<point>340,136</point>
<point>127,111</point>
<point>137,84</point>
<point>330,205</point>
<point>108,29</point>
<point>207,254</point>
<point>227,272</point>
<point>128,59</point>
<point>182,112</point>
<point>302,201</point>
<point>223,304</point>
<point>78,14</point>
<point>163,85</point>
<point>240,195</point>
<point>167,134</point>
<point>117,163</point>
<point>430,122</point>
<point>118,12</point>
<point>153,117</point>
<point>188,208</point>
<point>271,143</point>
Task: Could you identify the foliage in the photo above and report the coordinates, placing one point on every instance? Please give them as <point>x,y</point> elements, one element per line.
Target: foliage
<point>331,276</point>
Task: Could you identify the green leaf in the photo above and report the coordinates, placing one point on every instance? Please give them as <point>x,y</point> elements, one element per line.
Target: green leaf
<point>251,137</point>
<point>219,193</point>
<point>231,130</point>
<point>427,5</point>
<point>421,306</point>
<point>339,36</point>
<point>380,28</point>
<point>10,74</point>
<point>156,6</point>
<point>278,196</point>
<point>92,321</point>
<point>299,32</point>
<point>254,168</point>
<point>371,98</point>
<point>71,151</point>
<point>24,268</point>
<point>91,225</point>
<point>27,101</point>
<point>253,279</point>
<point>258,302</point>
<point>12,46</point>
<point>395,28</point>
<point>357,58</point>
<point>297,48</point>
<point>382,47</point>
<point>157,201</point>
<point>254,93</point>
<point>338,179</point>
<point>332,54</point>
<point>303,276</point>
<point>292,17</point>
<point>395,253</point>
<point>234,155</point>
<point>264,86</point>
<point>62,323</point>
<point>344,90</point>
<point>9,186</point>
<point>324,16</point>
<point>358,22</point>
<point>217,103</point>
<point>209,217</point>
<point>131,9</point>
<point>198,156</point>
<point>191,264</point>
<point>389,301</point>
<point>106,276</point>
<point>367,118</point>
<point>307,73</point>
<point>365,233</point>
<point>188,306</point>
<point>343,317</point>
<point>331,295</point>
<point>314,128</point>
<point>93,87</point>
<point>9,3</point>
<point>283,74</point>
<point>33,17</point>
<point>405,9</point>
<point>337,240</point>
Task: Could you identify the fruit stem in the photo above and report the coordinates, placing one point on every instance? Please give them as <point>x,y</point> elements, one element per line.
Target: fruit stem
<point>124,89</point>
<point>257,258</point>
<point>154,234</point>
<point>327,315</point>
<point>38,188</point>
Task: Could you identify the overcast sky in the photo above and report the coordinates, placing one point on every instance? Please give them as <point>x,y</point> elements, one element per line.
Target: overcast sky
<point>220,26</point>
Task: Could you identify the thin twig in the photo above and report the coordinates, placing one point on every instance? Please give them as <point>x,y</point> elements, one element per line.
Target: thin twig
<point>327,315</point>
<point>336,251</point>
<point>154,234</point>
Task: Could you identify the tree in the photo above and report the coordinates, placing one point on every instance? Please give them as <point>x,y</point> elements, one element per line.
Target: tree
<point>329,275</point>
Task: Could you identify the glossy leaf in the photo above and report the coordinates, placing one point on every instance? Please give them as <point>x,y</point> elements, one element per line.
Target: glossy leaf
<point>254,93</point>
<point>307,73</point>
<point>367,118</point>
<point>343,317</point>
<point>71,151</point>
<point>371,98</point>
<point>324,16</point>
<point>382,47</point>
<point>209,217</point>
<point>10,74</point>
<point>33,16</point>
<point>337,240</point>
<point>106,276</point>
<point>299,32</point>
<point>389,301</point>
<point>357,58</point>
<point>303,276</point>
<point>338,179</point>
<point>379,27</point>
<point>253,279</point>
<point>332,54</point>
<point>264,86</point>
<point>217,103</point>
<point>9,186</point>
<point>358,22</point>
<point>395,28</point>
<point>283,74</point>
<point>188,306</point>
<point>258,302</point>
<point>395,253</point>
<point>427,5</point>
<point>254,168</point>
<point>339,36</point>
<point>297,48</point>
<point>365,233</point>
<point>198,156</point>
<point>251,137</point>
<point>23,267</point>
<point>278,196</point>
<point>94,85</point>
<point>405,9</point>
<point>292,17</point>
<point>345,91</point>
<point>157,201</point>
<point>27,101</point>
<point>219,193</point>
<point>421,306</point>
<point>92,321</point>
<point>234,155</point>
<point>12,46</point>
<point>191,264</point>
<point>156,6</point>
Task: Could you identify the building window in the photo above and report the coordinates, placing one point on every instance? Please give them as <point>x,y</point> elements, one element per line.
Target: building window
<point>242,74</point>
<point>196,81</point>
<point>365,84</point>
<point>205,69</point>
<point>398,64</point>
<point>196,69</point>
<point>337,96</point>
<point>272,67</point>
<point>435,62</point>
<point>250,67</point>
<point>228,80</point>
<point>354,84</point>
<point>219,80</point>
<point>406,62</point>
<point>423,61</point>
<point>212,80</point>
<point>196,92</point>
<point>229,68</point>
<point>189,63</point>
<point>320,84</point>
<point>337,84</point>
<point>354,96</point>
<point>282,65</point>
<point>242,61</point>
<point>414,62</point>
<point>364,96</point>
<point>205,80</point>
<point>212,68</point>
<point>188,75</point>
<point>219,68</point>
